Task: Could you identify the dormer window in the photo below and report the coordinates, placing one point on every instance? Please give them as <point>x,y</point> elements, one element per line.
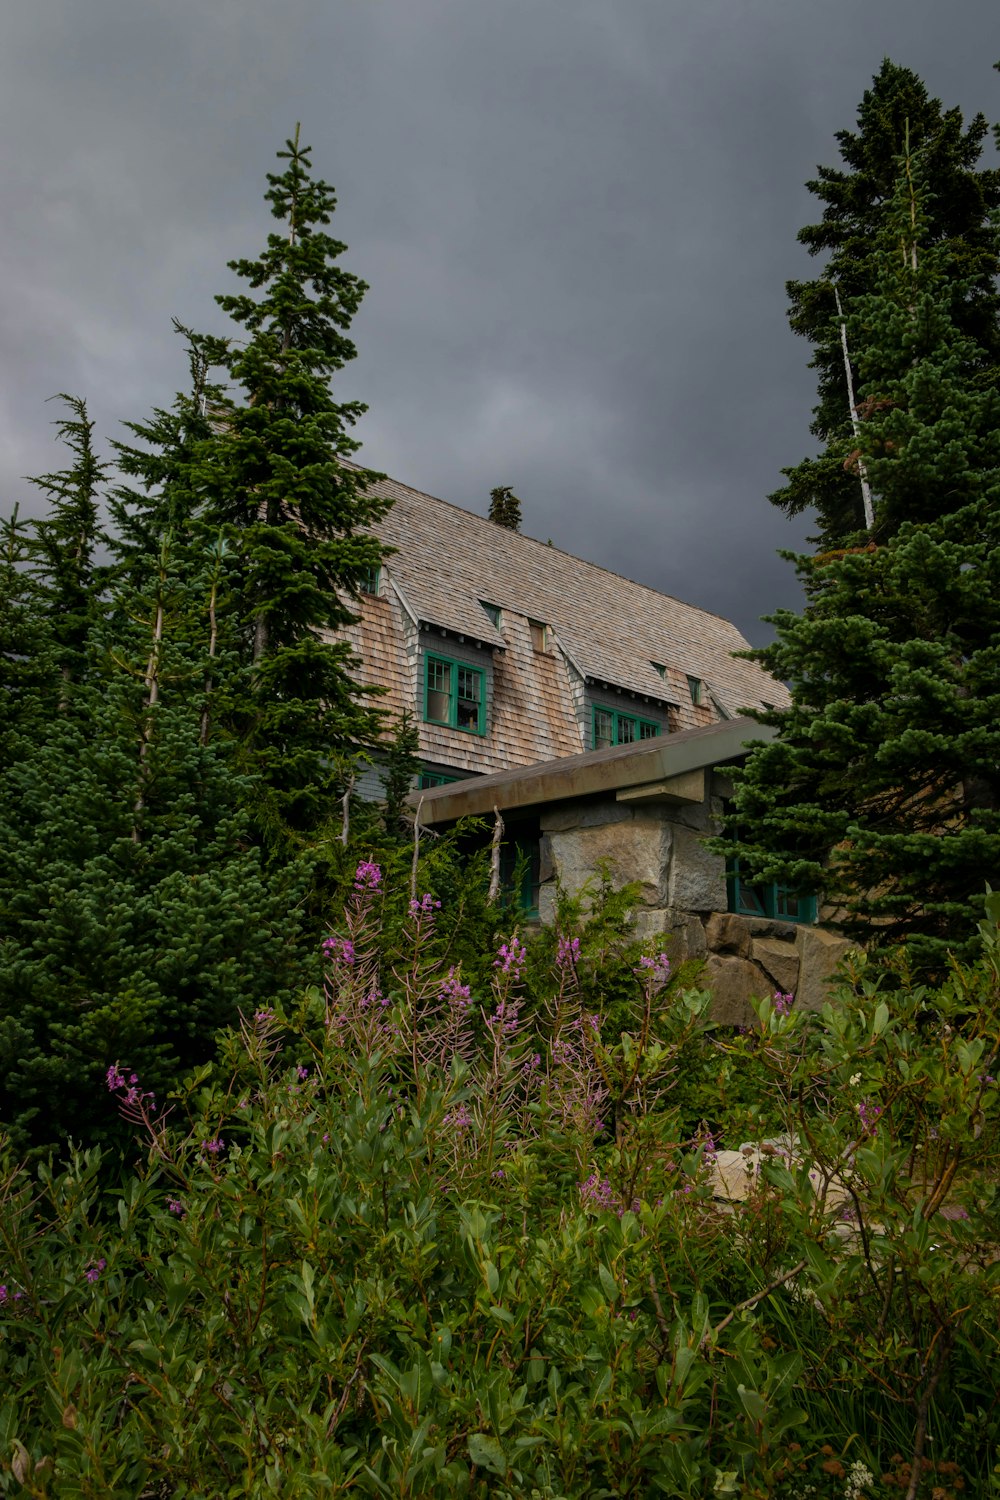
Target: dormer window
<point>493,611</point>
<point>368,579</point>
<point>696,688</point>
<point>539,635</point>
<point>454,695</point>
<point>613,728</point>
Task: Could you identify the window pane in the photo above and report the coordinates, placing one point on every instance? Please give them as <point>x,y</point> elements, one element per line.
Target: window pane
<point>648,731</point>
<point>470,692</point>
<point>626,729</point>
<point>604,724</point>
<point>438,690</point>
<point>751,900</point>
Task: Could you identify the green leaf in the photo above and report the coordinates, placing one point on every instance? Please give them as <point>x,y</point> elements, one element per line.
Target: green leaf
<point>486,1453</point>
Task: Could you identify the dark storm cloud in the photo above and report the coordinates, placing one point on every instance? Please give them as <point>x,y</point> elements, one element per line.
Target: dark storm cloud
<point>576,220</point>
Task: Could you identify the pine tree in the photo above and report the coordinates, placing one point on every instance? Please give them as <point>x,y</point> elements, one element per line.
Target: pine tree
<point>505,508</point>
<point>959,218</point>
<point>883,791</point>
<point>274,479</point>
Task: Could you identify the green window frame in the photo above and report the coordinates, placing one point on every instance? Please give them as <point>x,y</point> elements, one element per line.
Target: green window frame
<point>368,579</point>
<point>520,864</point>
<point>454,694</point>
<point>427,779</point>
<point>766,898</point>
<point>610,727</point>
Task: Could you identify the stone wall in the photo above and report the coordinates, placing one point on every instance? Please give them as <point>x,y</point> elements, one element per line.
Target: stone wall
<point>658,843</point>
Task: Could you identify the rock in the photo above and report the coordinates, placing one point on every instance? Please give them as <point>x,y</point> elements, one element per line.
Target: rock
<point>585,815</point>
<point>682,934</point>
<point>697,877</point>
<point>772,927</point>
<point>636,850</point>
<point>725,932</point>
<point>732,982</point>
<point>819,952</point>
<point>546,864</point>
<point>733,1176</point>
<point>547,904</point>
<point>780,961</point>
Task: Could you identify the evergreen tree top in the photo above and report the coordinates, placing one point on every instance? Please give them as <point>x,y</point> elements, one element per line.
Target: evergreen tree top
<point>960,205</point>
<point>308,301</point>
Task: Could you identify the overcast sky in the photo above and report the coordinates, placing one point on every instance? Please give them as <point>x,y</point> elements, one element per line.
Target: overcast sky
<point>576,218</point>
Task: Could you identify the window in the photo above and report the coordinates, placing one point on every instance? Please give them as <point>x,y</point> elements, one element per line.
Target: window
<point>368,579</point>
<point>493,610</point>
<point>767,898</point>
<point>614,728</point>
<point>695,689</point>
<point>427,779</point>
<point>520,862</point>
<point>455,695</point>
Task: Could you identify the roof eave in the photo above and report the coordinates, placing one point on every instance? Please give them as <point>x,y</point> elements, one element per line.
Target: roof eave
<point>594,772</point>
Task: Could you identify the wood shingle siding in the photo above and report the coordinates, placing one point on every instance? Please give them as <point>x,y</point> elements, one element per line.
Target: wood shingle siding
<point>603,635</point>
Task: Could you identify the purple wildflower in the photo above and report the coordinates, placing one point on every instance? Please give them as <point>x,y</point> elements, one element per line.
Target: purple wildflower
<point>339,951</point>
<point>511,959</point>
<point>175,1206</point>
<point>868,1114</point>
<point>505,1017</point>
<point>459,1118</point>
<point>214,1147</point>
<point>301,1072</point>
<point>782,1003</point>
<point>597,1192</point>
<point>568,953</point>
<point>425,907</point>
<point>658,969</point>
<point>367,877</point>
<point>94,1270</point>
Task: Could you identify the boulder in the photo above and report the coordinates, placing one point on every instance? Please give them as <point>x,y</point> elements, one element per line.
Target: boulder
<point>681,934</point>
<point>725,932</point>
<point>780,961</point>
<point>819,952</point>
<point>733,982</point>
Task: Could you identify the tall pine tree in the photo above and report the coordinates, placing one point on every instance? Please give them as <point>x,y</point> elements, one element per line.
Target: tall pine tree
<point>883,791</point>
<point>959,218</point>
<point>274,479</point>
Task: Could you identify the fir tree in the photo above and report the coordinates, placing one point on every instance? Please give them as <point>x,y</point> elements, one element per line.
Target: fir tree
<point>883,791</point>
<point>274,477</point>
<point>66,542</point>
<point>136,914</point>
<point>505,508</point>
<point>24,659</point>
<point>159,491</point>
<point>959,219</point>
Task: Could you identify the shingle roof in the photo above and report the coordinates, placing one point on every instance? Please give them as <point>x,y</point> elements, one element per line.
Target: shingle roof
<point>612,629</point>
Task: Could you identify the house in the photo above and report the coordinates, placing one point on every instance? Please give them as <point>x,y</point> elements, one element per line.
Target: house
<point>508,652</point>
<point>596,717</point>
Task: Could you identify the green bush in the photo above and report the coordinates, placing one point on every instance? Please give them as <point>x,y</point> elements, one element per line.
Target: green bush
<point>413,1241</point>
